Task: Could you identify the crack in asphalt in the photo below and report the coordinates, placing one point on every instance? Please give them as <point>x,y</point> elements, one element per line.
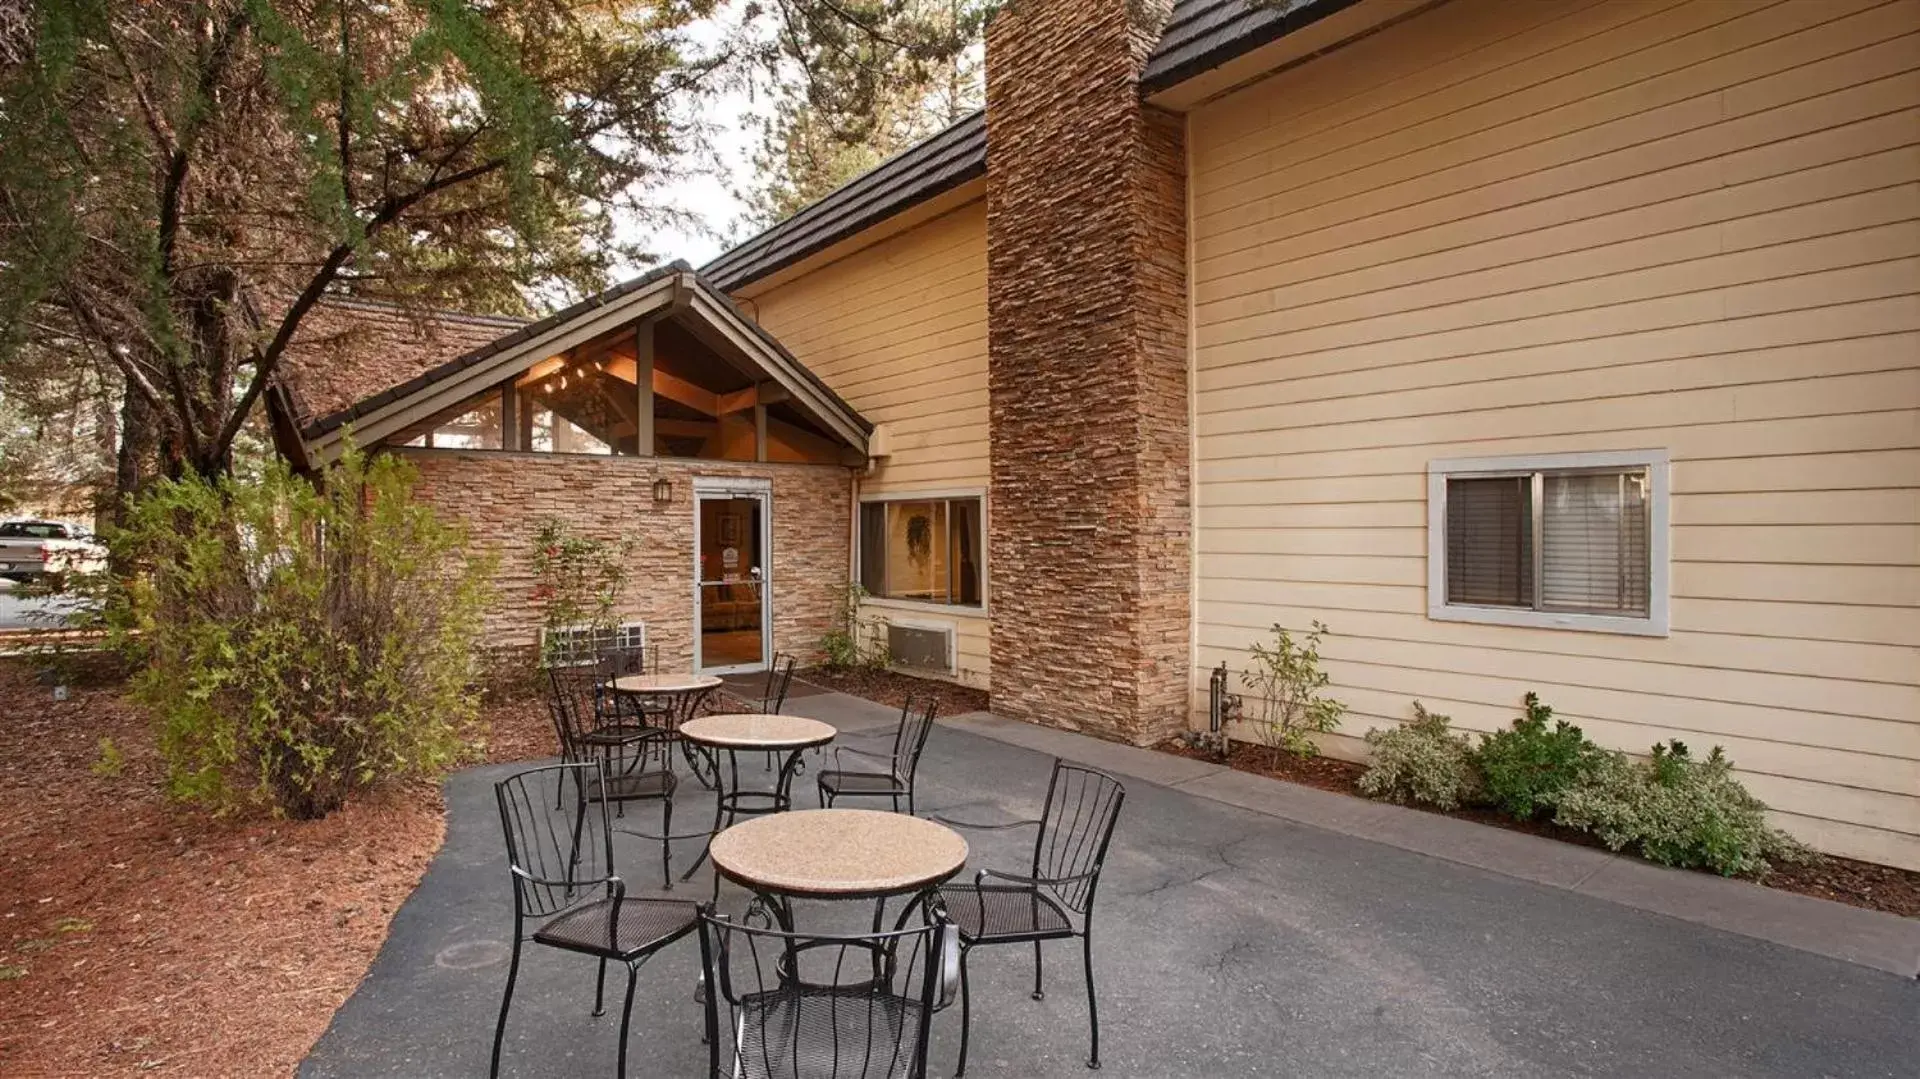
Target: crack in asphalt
<point>1218,852</point>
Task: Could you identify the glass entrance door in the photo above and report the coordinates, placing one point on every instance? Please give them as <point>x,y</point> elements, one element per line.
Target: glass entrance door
<point>733,583</point>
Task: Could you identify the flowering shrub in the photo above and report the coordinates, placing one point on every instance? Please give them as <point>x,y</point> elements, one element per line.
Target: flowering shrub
<point>1285,677</point>
<point>579,582</point>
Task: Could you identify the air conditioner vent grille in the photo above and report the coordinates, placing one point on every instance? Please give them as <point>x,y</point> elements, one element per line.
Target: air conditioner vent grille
<point>577,646</point>
<point>921,648</point>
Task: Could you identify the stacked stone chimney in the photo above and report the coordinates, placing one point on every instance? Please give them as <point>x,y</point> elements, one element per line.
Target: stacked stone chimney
<point>1089,536</point>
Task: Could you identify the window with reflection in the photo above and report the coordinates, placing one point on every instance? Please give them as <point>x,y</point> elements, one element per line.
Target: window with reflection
<point>576,406</point>
<point>473,424</point>
<point>926,550</point>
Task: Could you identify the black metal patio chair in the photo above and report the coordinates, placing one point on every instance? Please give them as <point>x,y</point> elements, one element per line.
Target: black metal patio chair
<point>627,756</point>
<point>1054,899</point>
<point>894,781</point>
<point>564,881</point>
<point>627,708</point>
<point>582,688</point>
<point>788,1005</point>
<point>772,696</point>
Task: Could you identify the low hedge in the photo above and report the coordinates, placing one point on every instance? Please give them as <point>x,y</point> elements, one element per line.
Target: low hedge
<point>1670,808</point>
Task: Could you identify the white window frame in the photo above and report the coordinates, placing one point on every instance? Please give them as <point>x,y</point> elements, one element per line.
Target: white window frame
<point>1658,467</point>
<point>952,610</point>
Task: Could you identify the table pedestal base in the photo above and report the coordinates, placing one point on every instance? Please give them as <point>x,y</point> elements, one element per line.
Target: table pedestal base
<point>731,802</point>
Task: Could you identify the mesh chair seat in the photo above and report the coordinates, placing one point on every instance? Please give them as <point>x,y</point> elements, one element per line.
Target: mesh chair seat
<point>794,1033</point>
<point>643,925</point>
<point>837,782</point>
<point>632,786</point>
<point>1003,912</point>
<point>617,734</point>
<point>633,702</point>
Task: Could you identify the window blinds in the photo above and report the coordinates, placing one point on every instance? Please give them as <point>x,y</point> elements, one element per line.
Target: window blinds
<point>1594,542</point>
<point>1592,535</point>
<point>1490,541</point>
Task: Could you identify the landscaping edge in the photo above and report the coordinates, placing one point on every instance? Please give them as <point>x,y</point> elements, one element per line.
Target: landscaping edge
<point>1850,934</point>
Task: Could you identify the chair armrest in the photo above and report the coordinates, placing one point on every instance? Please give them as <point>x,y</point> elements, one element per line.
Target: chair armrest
<point>586,883</point>
<point>947,947</point>
<point>616,891</point>
<point>981,877</point>
<point>869,754</point>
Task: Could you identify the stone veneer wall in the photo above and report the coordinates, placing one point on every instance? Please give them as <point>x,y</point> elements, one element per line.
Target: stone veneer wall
<point>504,496</point>
<point>1089,543</point>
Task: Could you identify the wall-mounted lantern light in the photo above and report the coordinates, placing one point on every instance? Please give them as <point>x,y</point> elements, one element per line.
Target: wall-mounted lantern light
<point>662,491</point>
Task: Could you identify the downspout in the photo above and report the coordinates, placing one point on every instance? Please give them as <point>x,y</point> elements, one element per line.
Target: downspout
<point>1193,451</point>
<point>853,522</point>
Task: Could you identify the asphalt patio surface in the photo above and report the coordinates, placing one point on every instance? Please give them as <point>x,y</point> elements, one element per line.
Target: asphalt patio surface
<point>1230,939</point>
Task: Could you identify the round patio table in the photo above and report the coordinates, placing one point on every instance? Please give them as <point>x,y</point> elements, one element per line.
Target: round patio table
<point>755,732</point>
<point>839,854</point>
<point>683,694</point>
<point>853,854</point>
<point>684,691</point>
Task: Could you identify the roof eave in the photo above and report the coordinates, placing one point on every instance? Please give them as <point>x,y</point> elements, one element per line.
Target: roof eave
<point>941,163</point>
<point>669,290</point>
<point>1259,27</point>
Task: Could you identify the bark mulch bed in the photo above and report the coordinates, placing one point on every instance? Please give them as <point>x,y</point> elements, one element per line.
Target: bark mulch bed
<point>516,727</point>
<point>1843,880</point>
<point>891,687</point>
<point>140,937</point>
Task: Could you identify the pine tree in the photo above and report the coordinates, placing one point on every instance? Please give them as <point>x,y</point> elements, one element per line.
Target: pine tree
<point>850,92</point>
<point>183,181</point>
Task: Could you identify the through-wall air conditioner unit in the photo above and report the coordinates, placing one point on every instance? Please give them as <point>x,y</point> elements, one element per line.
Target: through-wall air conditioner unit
<point>577,646</point>
<point>922,646</point>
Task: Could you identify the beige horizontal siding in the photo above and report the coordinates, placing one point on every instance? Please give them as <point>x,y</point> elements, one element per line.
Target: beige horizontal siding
<point>899,329</point>
<point>1572,225</point>
<point>973,661</point>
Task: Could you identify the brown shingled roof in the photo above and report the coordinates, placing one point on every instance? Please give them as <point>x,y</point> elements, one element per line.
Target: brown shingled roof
<point>349,350</point>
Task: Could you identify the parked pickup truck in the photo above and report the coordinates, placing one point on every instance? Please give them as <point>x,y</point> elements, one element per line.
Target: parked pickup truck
<point>30,549</point>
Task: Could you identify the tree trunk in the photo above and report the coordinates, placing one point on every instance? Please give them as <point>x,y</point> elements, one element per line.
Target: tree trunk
<point>212,305</point>
<point>137,464</point>
<point>106,447</point>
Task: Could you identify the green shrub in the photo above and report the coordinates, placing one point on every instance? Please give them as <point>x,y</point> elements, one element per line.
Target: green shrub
<point>1677,811</point>
<point>111,761</point>
<point>1528,766</point>
<point>1422,761</point>
<point>578,582</point>
<point>854,640</point>
<point>297,641</point>
<point>1285,677</point>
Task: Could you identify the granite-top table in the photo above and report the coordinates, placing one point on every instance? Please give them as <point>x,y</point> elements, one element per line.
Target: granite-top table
<point>752,732</point>
<point>682,694</point>
<point>839,854</point>
<point>684,691</point>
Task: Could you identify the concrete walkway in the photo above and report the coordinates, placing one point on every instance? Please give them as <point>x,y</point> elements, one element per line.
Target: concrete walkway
<point>1231,939</point>
<point>1869,938</point>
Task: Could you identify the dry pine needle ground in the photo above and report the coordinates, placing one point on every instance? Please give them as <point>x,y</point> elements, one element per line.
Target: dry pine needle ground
<point>137,937</point>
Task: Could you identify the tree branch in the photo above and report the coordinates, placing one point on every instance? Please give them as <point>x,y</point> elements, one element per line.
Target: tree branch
<point>156,124</point>
<point>268,360</point>
<point>346,112</point>
<point>90,320</point>
<point>213,66</point>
